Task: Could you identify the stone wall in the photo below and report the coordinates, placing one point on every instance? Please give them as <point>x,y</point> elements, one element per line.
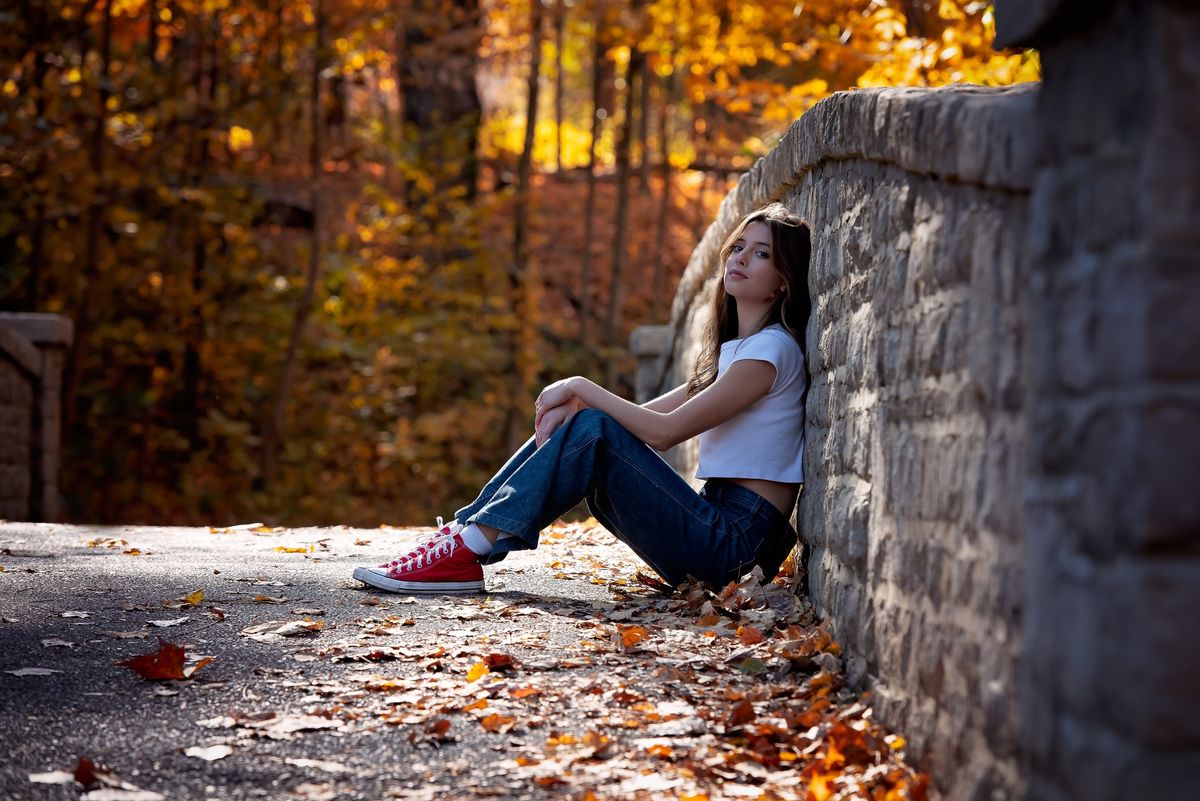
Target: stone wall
<point>1111,680</point>
<point>16,430</point>
<point>915,438</point>
<point>1004,421</point>
<point>32,350</point>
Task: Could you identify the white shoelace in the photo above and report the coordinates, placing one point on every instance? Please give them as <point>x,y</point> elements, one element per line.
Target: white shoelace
<point>444,546</point>
<point>443,532</point>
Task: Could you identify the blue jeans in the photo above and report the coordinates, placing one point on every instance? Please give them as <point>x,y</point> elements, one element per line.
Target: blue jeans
<point>716,535</point>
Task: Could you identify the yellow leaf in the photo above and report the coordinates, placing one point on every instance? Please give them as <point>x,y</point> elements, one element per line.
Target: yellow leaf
<point>286,549</point>
<point>194,598</point>
<point>477,671</point>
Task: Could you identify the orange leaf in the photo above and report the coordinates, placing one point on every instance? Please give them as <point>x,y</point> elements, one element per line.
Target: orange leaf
<point>499,662</point>
<point>497,723</point>
<point>477,671</point>
<point>631,635</point>
<point>480,704</point>
<point>742,712</point>
<point>164,664</point>
<point>748,635</point>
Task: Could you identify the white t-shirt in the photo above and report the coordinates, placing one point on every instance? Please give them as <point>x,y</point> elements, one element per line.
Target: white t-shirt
<point>767,440</point>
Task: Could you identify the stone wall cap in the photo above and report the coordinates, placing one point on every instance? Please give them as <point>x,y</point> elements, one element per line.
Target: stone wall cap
<point>20,350</point>
<point>650,340</point>
<point>40,328</point>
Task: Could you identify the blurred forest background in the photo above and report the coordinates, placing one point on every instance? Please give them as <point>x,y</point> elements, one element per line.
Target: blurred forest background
<point>321,254</point>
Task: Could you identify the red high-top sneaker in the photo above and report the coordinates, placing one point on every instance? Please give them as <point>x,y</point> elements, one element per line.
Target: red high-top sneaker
<point>442,564</point>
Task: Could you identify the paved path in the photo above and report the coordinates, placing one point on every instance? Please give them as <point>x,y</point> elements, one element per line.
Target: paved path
<point>613,689</point>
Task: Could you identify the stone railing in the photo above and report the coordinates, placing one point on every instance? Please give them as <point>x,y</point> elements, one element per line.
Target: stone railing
<point>32,348</point>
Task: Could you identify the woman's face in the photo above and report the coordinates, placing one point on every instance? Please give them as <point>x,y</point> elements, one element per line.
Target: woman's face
<point>750,273</point>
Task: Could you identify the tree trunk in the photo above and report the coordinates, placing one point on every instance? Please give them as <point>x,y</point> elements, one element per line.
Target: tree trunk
<point>523,276</point>
<point>441,104</point>
<point>585,267</point>
<point>644,79</point>
<point>615,292</point>
<point>152,33</point>
<point>91,265</point>
<point>300,318</point>
<point>560,23</point>
<point>664,206</point>
<point>33,277</point>
<point>191,409</point>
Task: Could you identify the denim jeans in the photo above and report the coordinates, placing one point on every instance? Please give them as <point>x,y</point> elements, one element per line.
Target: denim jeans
<point>717,534</point>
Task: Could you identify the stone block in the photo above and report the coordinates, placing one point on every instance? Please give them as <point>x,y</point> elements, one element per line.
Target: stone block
<point>1162,775</point>
<point>1172,324</point>
<point>1159,694</point>
<point>1172,166</point>
<point>1169,455</point>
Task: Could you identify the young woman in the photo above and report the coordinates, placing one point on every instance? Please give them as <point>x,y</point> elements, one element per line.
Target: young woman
<point>745,400</point>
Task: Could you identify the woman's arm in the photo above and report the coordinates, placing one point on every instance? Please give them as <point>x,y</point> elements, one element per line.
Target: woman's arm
<point>668,402</point>
<point>738,388</point>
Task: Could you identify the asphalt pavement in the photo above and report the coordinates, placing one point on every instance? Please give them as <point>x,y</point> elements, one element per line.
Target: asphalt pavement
<point>76,600</point>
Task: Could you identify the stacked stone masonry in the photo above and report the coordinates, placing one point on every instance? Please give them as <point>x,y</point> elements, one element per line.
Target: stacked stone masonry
<point>1111,684</point>
<point>16,430</point>
<point>32,351</point>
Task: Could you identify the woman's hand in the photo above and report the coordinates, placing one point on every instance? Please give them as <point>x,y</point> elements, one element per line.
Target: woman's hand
<point>550,420</point>
<point>553,396</point>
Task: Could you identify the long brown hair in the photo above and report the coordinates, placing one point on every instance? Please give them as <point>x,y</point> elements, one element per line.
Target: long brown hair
<point>791,250</point>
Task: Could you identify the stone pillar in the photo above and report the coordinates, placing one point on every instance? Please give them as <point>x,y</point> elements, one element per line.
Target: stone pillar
<point>51,335</point>
<point>651,345</point>
<point>1110,681</point>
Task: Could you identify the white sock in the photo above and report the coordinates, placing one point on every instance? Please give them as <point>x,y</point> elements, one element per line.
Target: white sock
<point>473,537</point>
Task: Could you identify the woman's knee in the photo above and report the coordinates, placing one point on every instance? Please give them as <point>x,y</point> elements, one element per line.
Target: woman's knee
<point>591,420</point>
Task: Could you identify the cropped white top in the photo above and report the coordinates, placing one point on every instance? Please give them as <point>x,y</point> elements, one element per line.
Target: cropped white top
<point>765,441</point>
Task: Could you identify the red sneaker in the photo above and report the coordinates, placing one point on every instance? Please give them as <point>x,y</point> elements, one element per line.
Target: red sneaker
<point>443,530</point>
<point>440,565</point>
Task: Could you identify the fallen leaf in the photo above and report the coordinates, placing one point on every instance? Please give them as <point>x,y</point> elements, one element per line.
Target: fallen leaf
<point>477,671</point>
<point>748,635</point>
<point>33,671</point>
<point>54,642</point>
<point>269,599</point>
<point>191,599</point>
<point>629,636</point>
<point>271,629</point>
<point>741,713</point>
<point>318,764</point>
<point>288,549</point>
<point>308,611</point>
<point>497,723</point>
<point>162,624</point>
<point>499,662</point>
<point>76,614</point>
<point>370,600</point>
<point>164,664</point>
<point>362,542</point>
<point>52,777</point>
<point>126,635</point>
<point>210,754</point>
